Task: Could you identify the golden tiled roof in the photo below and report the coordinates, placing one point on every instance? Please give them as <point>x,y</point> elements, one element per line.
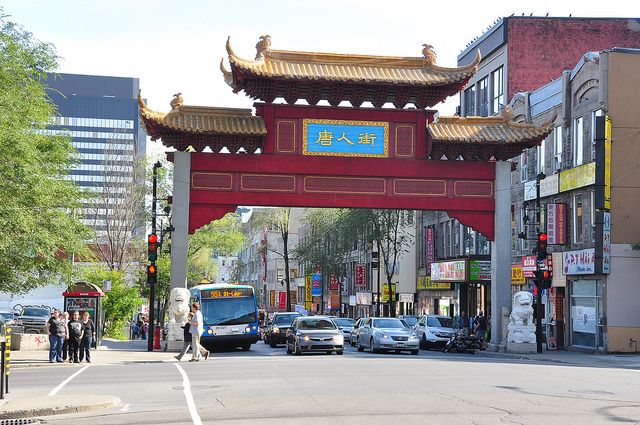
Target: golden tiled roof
<point>203,119</point>
<point>284,64</point>
<point>486,129</point>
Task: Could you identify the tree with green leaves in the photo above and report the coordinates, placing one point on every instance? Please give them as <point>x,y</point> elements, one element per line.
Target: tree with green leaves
<point>37,200</point>
<point>119,304</point>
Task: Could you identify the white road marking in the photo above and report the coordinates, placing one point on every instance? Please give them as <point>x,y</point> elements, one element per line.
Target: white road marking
<point>186,389</point>
<point>66,381</point>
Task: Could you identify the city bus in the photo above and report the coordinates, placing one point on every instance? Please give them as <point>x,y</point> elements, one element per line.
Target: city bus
<point>230,315</point>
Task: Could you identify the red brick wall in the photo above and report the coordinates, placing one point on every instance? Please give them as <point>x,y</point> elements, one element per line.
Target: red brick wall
<point>540,49</point>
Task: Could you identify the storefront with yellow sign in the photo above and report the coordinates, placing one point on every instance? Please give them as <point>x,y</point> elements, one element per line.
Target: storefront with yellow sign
<point>431,295</point>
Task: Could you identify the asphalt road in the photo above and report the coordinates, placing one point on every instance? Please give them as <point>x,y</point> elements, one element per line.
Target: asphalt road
<point>265,386</point>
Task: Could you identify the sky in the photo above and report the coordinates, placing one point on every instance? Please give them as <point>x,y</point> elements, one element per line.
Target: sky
<point>176,46</point>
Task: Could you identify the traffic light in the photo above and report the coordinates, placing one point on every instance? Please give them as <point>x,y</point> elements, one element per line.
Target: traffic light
<point>546,278</point>
<point>541,246</point>
<point>152,247</point>
<point>152,273</point>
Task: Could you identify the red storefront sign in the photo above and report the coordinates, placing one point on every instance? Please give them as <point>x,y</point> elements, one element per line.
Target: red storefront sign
<point>361,275</point>
<point>333,282</point>
<point>429,250</point>
<point>282,300</point>
<point>556,224</point>
<point>529,265</point>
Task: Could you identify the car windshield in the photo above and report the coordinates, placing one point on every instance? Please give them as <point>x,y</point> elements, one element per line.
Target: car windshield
<point>440,322</point>
<point>344,322</point>
<point>316,324</point>
<point>284,319</point>
<point>388,323</point>
<point>410,320</point>
<point>6,316</point>
<point>229,311</point>
<point>35,312</point>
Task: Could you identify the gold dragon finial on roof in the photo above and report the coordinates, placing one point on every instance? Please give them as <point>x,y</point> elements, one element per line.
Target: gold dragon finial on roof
<point>429,54</point>
<point>263,47</point>
<point>507,113</point>
<point>177,102</point>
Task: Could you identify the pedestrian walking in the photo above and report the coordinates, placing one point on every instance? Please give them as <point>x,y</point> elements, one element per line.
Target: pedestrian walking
<point>463,322</point>
<point>197,328</point>
<point>88,336</point>
<point>186,335</point>
<point>56,331</point>
<point>481,325</point>
<point>65,343</point>
<point>144,329</point>
<point>75,337</point>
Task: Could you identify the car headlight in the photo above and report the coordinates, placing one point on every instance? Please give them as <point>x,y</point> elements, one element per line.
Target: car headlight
<point>276,330</point>
<point>385,336</point>
<point>413,337</point>
<point>306,338</point>
<point>247,329</point>
<point>339,339</point>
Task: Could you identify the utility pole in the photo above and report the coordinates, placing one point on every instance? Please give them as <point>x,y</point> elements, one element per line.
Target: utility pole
<point>538,280</point>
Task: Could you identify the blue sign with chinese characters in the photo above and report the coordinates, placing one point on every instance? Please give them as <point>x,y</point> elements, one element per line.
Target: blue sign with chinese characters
<point>345,138</point>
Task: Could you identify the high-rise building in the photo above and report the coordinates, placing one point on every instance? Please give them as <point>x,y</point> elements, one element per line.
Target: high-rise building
<point>101,115</point>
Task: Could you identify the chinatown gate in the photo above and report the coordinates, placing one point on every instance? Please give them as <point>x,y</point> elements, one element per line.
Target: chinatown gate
<point>348,157</point>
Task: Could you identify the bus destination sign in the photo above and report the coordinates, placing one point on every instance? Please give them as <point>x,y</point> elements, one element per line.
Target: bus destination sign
<point>228,292</point>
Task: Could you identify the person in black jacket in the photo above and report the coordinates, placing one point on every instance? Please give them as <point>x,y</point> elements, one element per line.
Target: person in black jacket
<point>89,334</point>
<point>187,338</point>
<point>75,336</point>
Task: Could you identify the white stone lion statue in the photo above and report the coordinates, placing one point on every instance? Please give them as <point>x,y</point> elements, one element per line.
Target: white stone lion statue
<point>521,326</point>
<point>178,312</point>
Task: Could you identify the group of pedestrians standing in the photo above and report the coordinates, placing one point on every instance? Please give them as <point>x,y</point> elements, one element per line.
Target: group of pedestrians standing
<point>70,337</point>
<point>193,328</point>
<point>477,325</point>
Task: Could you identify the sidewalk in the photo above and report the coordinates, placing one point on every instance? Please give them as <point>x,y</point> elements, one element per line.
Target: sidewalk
<point>110,352</point>
<point>627,361</point>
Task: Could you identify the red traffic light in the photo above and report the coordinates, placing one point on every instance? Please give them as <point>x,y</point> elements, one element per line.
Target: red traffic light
<point>542,237</point>
<point>153,238</point>
<point>546,274</point>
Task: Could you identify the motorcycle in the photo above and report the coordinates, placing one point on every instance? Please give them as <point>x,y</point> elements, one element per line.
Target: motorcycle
<point>462,342</point>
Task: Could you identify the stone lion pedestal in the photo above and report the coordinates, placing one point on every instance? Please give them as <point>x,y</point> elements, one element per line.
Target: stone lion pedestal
<point>178,312</point>
<point>522,331</point>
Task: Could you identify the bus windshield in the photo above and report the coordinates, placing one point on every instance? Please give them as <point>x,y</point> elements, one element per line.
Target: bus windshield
<point>229,311</point>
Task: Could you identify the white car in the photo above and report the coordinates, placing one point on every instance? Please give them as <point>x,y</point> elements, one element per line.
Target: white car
<point>435,330</point>
<point>385,334</point>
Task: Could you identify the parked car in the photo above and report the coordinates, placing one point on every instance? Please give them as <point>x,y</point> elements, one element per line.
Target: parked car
<point>353,335</point>
<point>345,324</point>
<point>314,333</point>
<point>6,318</point>
<point>435,330</point>
<point>33,319</point>
<point>276,331</point>
<point>386,333</point>
<point>410,320</point>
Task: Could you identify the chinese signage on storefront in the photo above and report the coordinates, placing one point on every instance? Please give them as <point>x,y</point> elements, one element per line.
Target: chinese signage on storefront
<point>384,296</point>
<point>606,242</point>
<point>579,262</point>
<point>425,283</point>
<point>548,187</point>
<point>345,138</point>
<point>557,224</point>
<point>517,278</point>
<point>453,271</point>
<point>429,248</point>
<point>360,275</point>
<point>316,284</point>
<point>282,300</point>
<point>272,298</point>
<point>308,296</point>
<point>333,282</point>
<point>581,176</point>
<point>529,265</point>
<point>335,299</point>
<point>479,270</point>
<point>364,298</point>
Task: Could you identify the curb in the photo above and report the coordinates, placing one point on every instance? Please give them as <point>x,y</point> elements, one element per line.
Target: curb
<point>59,408</point>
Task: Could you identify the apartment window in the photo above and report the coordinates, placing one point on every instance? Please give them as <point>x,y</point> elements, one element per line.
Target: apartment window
<point>557,149</point>
<point>524,166</point>
<point>540,150</point>
<point>592,214</point>
<point>470,101</point>
<point>483,97</point>
<point>577,218</point>
<point>578,141</point>
<point>497,96</point>
<point>594,114</point>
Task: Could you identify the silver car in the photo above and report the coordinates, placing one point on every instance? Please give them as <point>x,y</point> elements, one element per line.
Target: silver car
<point>345,324</point>
<point>314,333</point>
<point>386,333</point>
<point>353,334</point>
<point>435,330</point>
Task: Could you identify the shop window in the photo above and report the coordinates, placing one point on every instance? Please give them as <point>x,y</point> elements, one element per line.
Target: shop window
<point>577,218</point>
<point>578,141</point>
<point>587,313</point>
